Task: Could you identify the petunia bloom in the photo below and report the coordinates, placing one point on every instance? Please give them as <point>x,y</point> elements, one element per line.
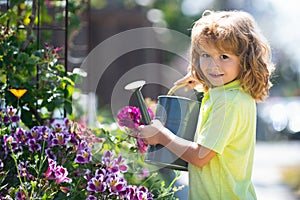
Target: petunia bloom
<point>97,184</point>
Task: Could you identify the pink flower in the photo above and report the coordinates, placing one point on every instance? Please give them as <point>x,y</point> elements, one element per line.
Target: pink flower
<point>61,174</point>
<point>57,173</point>
<point>142,146</point>
<point>131,118</point>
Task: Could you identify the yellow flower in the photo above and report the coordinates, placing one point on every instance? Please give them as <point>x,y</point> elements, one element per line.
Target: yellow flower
<point>26,21</point>
<point>22,6</point>
<point>18,92</point>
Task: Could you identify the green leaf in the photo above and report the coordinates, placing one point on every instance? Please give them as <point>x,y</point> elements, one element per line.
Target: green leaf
<point>26,117</point>
<point>68,107</point>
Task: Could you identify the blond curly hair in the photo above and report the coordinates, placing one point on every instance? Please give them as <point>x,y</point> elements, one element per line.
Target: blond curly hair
<point>238,33</point>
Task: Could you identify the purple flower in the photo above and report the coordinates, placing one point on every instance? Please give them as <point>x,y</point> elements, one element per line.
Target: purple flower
<point>83,157</point>
<point>120,162</point>
<point>33,145</point>
<point>50,154</point>
<point>15,118</point>
<point>34,133</point>
<point>21,136</point>
<point>97,184</point>
<point>138,193</point>
<point>116,183</point>
<point>131,192</point>
<point>9,144</point>
<point>142,193</point>
<point>60,138</point>
<point>11,111</point>
<point>6,119</point>
<point>88,175</point>
<point>83,153</point>
<point>109,163</point>
<point>145,173</point>
<point>22,167</point>
<point>20,195</point>
<point>91,197</point>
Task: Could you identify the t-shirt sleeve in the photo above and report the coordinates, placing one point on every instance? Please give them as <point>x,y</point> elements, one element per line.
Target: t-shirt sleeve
<point>219,127</point>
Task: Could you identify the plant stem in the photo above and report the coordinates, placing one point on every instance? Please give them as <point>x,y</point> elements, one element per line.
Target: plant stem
<point>13,155</point>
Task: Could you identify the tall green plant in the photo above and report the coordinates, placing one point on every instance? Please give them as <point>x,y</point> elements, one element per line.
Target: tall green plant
<point>24,66</point>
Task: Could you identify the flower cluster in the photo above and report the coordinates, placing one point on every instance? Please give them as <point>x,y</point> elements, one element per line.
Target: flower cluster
<point>56,160</point>
<point>108,182</point>
<point>131,118</point>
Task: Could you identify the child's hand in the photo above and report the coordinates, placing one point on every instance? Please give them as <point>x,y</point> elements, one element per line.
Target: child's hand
<point>152,134</point>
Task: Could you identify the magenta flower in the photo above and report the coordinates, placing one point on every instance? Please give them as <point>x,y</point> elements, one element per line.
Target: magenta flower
<point>61,174</point>
<point>141,145</point>
<point>57,173</point>
<point>130,117</point>
<point>50,173</point>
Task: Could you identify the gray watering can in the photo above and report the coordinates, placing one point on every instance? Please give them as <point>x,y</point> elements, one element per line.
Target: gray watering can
<point>178,114</point>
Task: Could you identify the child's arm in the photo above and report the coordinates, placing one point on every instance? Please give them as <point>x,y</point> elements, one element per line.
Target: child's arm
<point>189,151</point>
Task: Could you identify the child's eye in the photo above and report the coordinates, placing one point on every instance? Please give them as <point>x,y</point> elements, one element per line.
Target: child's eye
<point>205,55</point>
<point>224,57</point>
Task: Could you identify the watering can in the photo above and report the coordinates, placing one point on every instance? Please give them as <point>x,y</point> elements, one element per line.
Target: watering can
<point>178,114</point>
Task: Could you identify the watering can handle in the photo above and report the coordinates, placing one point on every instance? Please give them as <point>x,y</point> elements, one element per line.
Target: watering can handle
<point>176,87</point>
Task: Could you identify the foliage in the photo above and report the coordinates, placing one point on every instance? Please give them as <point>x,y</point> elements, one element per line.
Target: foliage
<point>23,66</point>
<point>48,85</point>
<point>66,160</point>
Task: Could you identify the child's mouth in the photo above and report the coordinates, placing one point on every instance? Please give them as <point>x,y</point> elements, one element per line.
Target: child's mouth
<point>216,75</point>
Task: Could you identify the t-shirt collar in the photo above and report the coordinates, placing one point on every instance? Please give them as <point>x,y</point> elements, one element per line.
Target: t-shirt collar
<point>233,85</point>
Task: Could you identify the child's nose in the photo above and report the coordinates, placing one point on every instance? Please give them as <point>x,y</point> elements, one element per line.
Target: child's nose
<point>213,63</point>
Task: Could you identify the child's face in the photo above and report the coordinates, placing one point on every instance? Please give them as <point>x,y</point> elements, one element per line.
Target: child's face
<point>219,67</point>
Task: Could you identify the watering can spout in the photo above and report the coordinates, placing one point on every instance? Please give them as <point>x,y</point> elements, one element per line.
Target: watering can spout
<point>136,87</point>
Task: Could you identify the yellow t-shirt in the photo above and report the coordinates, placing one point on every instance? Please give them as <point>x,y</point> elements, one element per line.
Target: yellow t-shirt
<point>227,125</point>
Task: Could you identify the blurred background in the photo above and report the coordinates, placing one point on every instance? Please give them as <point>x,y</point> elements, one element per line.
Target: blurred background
<point>277,161</point>
<point>278,117</point>
<point>91,23</point>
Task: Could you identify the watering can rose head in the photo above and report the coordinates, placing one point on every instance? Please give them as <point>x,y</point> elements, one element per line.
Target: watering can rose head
<point>131,118</point>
